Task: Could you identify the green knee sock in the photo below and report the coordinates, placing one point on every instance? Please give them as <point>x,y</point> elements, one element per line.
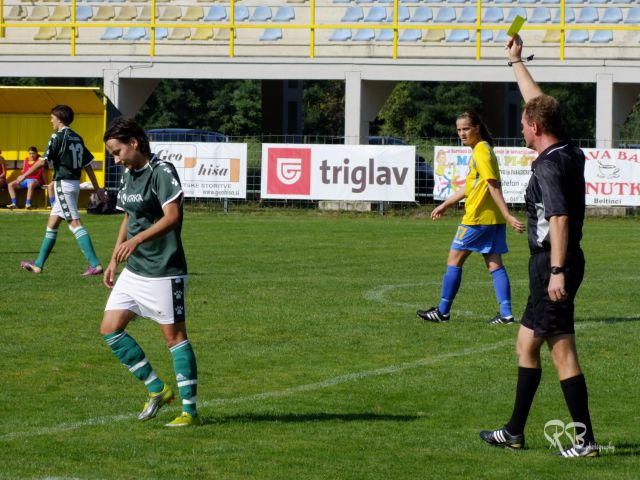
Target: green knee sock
<point>46,247</point>
<point>84,242</point>
<point>127,350</point>
<point>184,364</point>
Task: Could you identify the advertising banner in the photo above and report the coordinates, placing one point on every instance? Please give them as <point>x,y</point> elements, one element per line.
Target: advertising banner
<point>338,172</point>
<point>612,176</point>
<point>207,170</point>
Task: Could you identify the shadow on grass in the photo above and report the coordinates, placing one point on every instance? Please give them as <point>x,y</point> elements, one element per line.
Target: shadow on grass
<point>311,417</point>
<point>622,450</point>
<point>611,320</point>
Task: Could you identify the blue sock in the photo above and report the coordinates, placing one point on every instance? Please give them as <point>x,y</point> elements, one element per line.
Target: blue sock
<point>502,288</point>
<point>450,285</point>
<point>14,201</point>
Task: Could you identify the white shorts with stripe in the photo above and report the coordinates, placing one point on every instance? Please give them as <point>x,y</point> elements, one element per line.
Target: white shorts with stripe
<point>66,205</point>
<point>159,299</point>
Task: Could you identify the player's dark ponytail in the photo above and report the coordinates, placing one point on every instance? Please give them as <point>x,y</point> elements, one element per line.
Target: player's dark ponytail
<point>476,121</point>
<point>124,129</point>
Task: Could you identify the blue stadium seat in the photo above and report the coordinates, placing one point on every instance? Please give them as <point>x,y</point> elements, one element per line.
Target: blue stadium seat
<point>340,35</point>
<point>468,15</point>
<point>364,1</point>
<point>386,1</point>
<point>271,35</point>
<point>569,16</point>
<point>135,33</point>
<point>83,12</point>
<point>519,11</point>
<point>485,36</point>
<point>457,1</point>
<point>216,13</point>
<point>403,14</point>
<point>422,14</point>
<point>376,14</point>
<point>341,1</point>
<point>527,2</point>
<point>612,15</point>
<point>385,35</point>
<point>112,33</point>
<point>458,36</point>
<point>578,36</point>
<point>410,35</point>
<point>551,2</point>
<point>161,33</point>
<point>353,14</point>
<point>623,2</point>
<point>501,37</point>
<point>364,35</point>
<point>445,15</point>
<point>588,15</point>
<point>503,1</point>
<point>602,36</point>
<point>284,14</point>
<point>633,15</point>
<point>540,15</point>
<point>410,1</point>
<point>597,2</point>
<point>261,14</point>
<point>241,13</point>
<point>493,15</point>
<point>575,2</point>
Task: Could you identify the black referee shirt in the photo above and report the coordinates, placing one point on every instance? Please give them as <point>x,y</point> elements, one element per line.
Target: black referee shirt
<point>556,187</point>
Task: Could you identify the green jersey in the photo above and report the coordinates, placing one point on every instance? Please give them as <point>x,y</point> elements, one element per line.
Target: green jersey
<point>142,195</point>
<point>67,153</point>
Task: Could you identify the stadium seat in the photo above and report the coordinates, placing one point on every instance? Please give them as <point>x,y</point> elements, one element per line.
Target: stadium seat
<point>261,14</point>
<point>340,35</point>
<point>551,36</point>
<point>364,35</point>
<point>493,15</point>
<point>602,36</point>
<point>170,13</point>
<point>161,33</point>
<point>445,15</point>
<point>45,33</point>
<point>434,1</point>
<point>365,1</point>
<point>527,2</point>
<point>39,12</point>
<point>202,34</point>
<point>588,15</point>
<point>574,2</point>
<point>112,33</point>
<point>612,15</point>
<point>540,15</point>
<point>118,1</point>
<point>194,13</point>
<point>503,1</point>
<point>104,13</point>
<point>410,35</point>
<point>126,13</point>
<point>633,15</point>
<point>16,13</point>
<point>578,36</point>
<point>485,36</point>
<point>134,33</point>
<point>436,35</point>
<point>145,13</point>
<point>60,14</point>
<point>457,1</point>
<point>551,2</point>
<point>458,36</point>
<point>179,33</point>
<point>241,13</point>
<point>341,1</point>
<point>501,37</point>
<point>385,35</point>
<point>422,15</point>
<point>284,14</point>
<point>84,13</point>
<point>65,33</point>
<point>216,13</point>
<point>404,14</point>
<point>271,35</point>
<point>597,2</point>
<point>468,15</point>
<point>353,14</point>
<point>569,16</point>
<point>223,34</point>
<point>376,14</point>
<point>623,2</point>
<point>516,11</point>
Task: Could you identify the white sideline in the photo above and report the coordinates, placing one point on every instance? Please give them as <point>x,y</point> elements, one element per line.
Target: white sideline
<point>64,427</point>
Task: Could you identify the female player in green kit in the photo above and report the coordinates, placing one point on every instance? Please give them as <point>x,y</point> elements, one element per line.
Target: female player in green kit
<point>153,282</point>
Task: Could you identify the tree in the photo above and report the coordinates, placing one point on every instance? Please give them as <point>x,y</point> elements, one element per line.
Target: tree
<point>323,107</point>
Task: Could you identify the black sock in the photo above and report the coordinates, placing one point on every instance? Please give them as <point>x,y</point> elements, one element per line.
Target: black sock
<point>577,398</point>
<point>528,381</point>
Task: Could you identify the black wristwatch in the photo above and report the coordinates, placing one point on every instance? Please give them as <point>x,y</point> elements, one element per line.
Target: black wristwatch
<point>557,270</point>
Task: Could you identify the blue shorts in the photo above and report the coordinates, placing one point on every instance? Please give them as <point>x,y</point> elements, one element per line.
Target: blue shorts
<point>481,238</point>
<point>25,183</point>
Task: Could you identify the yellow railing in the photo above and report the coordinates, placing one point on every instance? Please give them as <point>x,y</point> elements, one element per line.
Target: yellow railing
<point>312,26</point>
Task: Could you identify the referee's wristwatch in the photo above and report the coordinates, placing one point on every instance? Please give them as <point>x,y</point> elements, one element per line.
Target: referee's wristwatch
<point>557,270</point>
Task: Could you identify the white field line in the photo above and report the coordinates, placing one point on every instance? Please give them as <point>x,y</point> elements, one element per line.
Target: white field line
<point>65,427</point>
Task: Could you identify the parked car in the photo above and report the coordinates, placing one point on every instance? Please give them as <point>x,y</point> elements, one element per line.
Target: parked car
<point>185,135</point>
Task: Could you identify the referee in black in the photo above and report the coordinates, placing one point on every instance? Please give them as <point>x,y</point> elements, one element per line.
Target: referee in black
<point>555,211</point>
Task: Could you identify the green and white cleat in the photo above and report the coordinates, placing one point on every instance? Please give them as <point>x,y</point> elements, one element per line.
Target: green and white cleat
<point>154,402</point>
<point>185,420</point>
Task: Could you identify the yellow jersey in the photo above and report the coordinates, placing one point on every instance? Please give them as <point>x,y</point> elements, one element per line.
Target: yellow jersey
<point>480,208</point>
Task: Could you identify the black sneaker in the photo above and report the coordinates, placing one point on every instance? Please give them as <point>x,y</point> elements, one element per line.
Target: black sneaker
<point>499,320</point>
<point>589,450</point>
<point>433,315</point>
<point>502,438</point>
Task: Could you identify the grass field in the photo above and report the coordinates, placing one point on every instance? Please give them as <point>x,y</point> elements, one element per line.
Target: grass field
<point>312,362</point>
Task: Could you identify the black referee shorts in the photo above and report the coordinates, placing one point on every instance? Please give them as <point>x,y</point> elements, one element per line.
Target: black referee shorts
<point>544,317</point>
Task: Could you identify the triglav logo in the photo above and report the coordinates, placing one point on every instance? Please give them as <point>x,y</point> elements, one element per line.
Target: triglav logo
<point>289,171</point>
<point>555,430</point>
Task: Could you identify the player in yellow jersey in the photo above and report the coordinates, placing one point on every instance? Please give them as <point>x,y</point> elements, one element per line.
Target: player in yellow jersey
<point>483,227</point>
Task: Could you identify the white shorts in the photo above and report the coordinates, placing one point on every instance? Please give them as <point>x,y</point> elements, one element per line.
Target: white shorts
<point>159,299</point>
<point>66,205</point>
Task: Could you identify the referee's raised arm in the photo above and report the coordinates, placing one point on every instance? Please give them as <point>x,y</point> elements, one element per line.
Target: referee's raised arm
<point>528,87</point>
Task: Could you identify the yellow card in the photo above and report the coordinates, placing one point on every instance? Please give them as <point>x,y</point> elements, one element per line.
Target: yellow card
<point>516,25</point>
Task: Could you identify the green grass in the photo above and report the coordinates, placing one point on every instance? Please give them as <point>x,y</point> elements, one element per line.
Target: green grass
<point>294,317</point>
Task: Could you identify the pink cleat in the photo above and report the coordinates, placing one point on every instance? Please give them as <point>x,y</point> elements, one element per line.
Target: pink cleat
<point>91,271</point>
<point>30,266</point>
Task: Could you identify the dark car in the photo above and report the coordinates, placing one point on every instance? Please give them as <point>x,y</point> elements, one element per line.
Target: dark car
<point>185,135</point>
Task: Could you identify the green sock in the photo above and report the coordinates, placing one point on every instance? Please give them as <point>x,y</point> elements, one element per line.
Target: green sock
<point>46,247</point>
<point>184,364</point>
<point>84,242</point>
<point>127,350</point>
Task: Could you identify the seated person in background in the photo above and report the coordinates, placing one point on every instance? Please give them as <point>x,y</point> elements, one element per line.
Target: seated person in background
<point>31,183</point>
<point>3,173</point>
